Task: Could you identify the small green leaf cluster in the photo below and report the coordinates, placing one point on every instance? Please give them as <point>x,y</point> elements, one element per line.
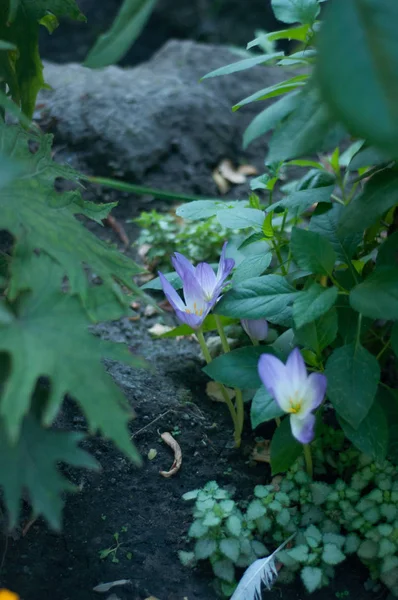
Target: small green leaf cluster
<point>163,233</point>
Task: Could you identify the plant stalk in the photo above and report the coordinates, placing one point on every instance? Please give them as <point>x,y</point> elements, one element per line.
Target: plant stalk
<point>308,460</point>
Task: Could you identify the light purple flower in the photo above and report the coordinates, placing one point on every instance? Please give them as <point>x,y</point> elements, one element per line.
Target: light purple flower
<point>294,391</point>
<point>256,329</point>
<point>200,285</point>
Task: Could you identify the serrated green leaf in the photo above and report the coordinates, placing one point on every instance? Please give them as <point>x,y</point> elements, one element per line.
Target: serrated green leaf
<point>269,118</point>
<point>352,543</point>
<point>252,266</point>
<point>186,558</point>
<point>255,510</point>
<point>312,578</point>
<point>211,520</point>
<point>204,548</point>
<point>268,296</point>
<point>52,326</point>
<point>299,553</point>
<point>358,72</point>
<point>263,408</point>
<point>377,296</point>
<point>192,495</point>
<point>197,529</point>
<point>234,525</point>
<point>320,492</point>
<point>237,368</point>
<point>230,547</point>
<point>312,251</point>
<point>296,11</point>
<point>243,65</point>
<point>327,225</point>
<point>332,555</point>
<point>353,375</point>
<point>379,195</point>
<point>224,569</point>
<point>31,464</point>
<point>313,303</point>
<point>285,449</point>
<point>112,45</point>
<point>371,436</point>
<point>313,533</point>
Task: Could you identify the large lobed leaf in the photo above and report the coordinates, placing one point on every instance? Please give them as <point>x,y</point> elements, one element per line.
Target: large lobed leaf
<point>45,334</point>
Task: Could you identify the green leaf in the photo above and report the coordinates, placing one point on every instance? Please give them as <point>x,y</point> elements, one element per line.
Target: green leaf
<point>285,449</point>
<point>255,510</point>
<point>154,284</point>
<point>252,266</point>
<point>52,327</point>
<point>42,213</point>
<point>387,255</point>
<point>371,436</point>
<point>234,525</point>
<point>358,73</point>
<point>312,251</point>
<point>127,26</point>
<point>204,548</point>
<point>379,195</point>
<point>320,492</point>
<point>320,333</point>
<point>209,324</point>
<point>263,408</point>
<point>197,529</point>
<point>313,303</point>
<point>377,296</point>
<point>353,375</point>
<point>269,297</point>
<point>242,65</point>
<point>299,553</point>
<point>388,400</point>
<point>300,33</point>
<point>31,465</point>
<point>237,368</point>
<point>224,569</point>
<point>302,200</point>
<point>7,46</point>
<point>269,118</point>
<point>394,338</point>
<point>332,555</point>
<point>187,558</point>
<point>296,11</point>
<point>303,131</point>
<point>273,90</point>
<point>327,225</point>
<point>368,157</point>
<point>311,578</point>
<point>230,547</point>
<point>204,209</point>
<point>241,218</point>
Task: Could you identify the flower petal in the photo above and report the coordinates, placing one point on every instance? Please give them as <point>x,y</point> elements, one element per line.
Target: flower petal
<point>225,266</point>
<point>193,294</point>
<point>297,373</point>
<point>190,319</point>
<point>273,375</point>
<point>170,293</point>
<point>314,392</point>
<point>207,280</point>
<point>182,265</point>
<point>303,429</point>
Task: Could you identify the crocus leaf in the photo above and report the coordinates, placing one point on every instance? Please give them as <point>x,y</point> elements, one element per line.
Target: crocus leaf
<point>238,368</point>
<point>377,296</point>
<point>263,408</point>
<point>312,303</point>
<point>285,449</point>
<point>372,435</point>
<point>312,251</point>
<point>353,375</point>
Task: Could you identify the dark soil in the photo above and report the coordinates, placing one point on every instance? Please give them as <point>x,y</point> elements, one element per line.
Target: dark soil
<point>143,507</point>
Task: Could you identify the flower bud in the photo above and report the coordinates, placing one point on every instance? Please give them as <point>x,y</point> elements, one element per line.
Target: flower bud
<point>256,329</point>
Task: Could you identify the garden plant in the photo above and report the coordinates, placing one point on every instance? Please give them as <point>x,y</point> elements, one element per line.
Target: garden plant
<point>307,265</point>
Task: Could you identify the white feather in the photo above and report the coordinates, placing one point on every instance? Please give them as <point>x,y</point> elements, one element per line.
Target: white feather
<point>262,571</point>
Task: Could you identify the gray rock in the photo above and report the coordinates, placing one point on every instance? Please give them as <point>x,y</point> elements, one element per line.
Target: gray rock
<point>156,124</point>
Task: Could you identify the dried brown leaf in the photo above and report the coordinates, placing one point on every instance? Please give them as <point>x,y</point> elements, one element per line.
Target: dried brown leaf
<point>175,446</point>
<point>261,452</point>
<point>220,181</point>
<point>119,229</point>
<point>159,329</point>
<point>247,170</point>
<point>228,171</point>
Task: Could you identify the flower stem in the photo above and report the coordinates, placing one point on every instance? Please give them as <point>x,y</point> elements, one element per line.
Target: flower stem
<point>279,257</point>
<point>221,333</point>
<point>225,395</point>
<point>308,460</point>
<point>240,410</point>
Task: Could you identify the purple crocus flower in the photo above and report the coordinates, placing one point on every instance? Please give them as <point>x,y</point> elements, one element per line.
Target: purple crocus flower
<point>200,285</point>
<point>256,329</point>
<point>294,391</point>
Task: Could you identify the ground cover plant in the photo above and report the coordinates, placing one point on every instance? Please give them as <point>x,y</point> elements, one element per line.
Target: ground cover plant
<point>319,264</point>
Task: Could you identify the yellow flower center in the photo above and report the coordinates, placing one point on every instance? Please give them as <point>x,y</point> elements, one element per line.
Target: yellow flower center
<point>7,595</point>
<point>198,312</point>
<point>295,404</point>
